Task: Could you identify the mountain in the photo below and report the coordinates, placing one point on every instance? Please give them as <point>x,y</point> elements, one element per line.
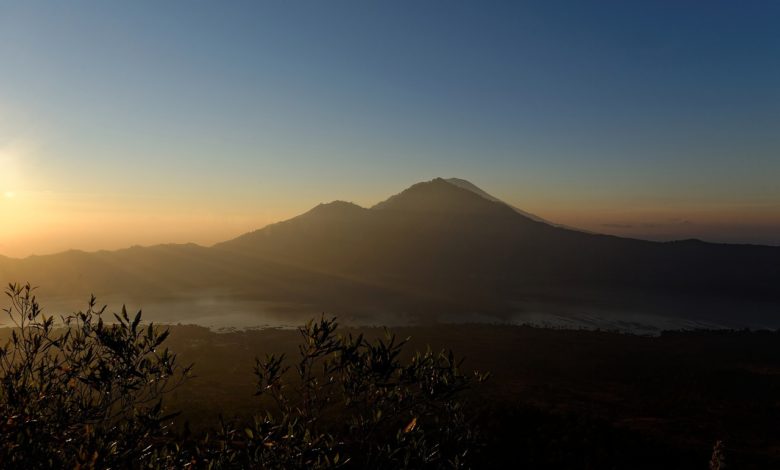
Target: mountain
<point>461,183</point>
<point>437,249</point>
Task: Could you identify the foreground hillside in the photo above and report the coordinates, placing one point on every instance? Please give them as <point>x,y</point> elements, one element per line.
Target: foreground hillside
<point>560,399</point>
<point>553,398</point>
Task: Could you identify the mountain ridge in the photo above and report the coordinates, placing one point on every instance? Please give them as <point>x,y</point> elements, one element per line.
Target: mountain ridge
<point>340,204</point>
<point>434,249</point>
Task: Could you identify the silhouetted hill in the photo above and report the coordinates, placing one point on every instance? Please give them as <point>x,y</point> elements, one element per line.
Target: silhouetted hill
<point>465,250</point>
<point>437,248</point>
<point>437,197</point>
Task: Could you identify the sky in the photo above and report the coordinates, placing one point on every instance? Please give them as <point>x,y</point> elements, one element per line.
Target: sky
<point>144,122</point>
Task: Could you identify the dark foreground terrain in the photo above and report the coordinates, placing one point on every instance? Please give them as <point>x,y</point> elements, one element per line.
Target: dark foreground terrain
<point>557,398</point>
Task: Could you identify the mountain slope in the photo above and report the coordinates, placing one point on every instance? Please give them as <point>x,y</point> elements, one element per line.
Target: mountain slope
<point>461,183</point>
<point>479,253</point>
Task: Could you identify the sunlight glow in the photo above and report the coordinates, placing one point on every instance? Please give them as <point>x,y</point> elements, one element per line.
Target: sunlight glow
<point>11,156</point>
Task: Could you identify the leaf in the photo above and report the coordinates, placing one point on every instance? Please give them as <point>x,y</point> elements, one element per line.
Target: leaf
<point>411,426</point>
<point>137,320</point>
<point>162,338</point>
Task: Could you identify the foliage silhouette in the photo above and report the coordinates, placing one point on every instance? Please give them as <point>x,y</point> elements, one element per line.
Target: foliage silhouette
<point>347,402</point>
<point>85,393</point>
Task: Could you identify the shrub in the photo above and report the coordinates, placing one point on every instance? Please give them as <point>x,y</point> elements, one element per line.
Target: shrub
<point>349,402</point>
<point>82,392</point>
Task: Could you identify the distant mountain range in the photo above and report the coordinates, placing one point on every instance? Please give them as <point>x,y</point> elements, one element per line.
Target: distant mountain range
<point>439,248</point>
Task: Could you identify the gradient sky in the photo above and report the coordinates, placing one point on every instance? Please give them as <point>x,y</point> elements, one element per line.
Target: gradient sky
<point>143,122</point>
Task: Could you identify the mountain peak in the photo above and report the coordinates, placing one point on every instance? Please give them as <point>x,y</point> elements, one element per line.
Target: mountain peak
<point>335,208</point>
<point>439,196</point>
<point>338,204</point>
